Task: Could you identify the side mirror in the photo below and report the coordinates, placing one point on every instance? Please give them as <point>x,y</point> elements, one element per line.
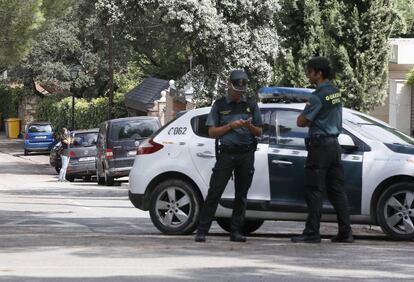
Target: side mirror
<point>346,142</point>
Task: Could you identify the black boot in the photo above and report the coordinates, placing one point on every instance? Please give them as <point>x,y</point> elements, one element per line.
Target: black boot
<point>200,237</point>
<point>343,238</point>
<point>306,238</point>
<point>237,237</point>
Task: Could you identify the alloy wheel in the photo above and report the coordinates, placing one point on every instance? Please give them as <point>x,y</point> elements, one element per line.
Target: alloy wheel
<point>173,207</point>
<point>399,212</point>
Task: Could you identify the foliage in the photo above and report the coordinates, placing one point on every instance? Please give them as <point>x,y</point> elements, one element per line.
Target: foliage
<point>9,100</point>
<point>78,38</point>
<point>353,34</point>
<point>410,77</point>
<point>405,9</point>
<point>19,20</point>
<point>88,114</point>
<point>220,35</point>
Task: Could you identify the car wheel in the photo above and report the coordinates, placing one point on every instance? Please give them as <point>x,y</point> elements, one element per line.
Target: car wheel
<point>109,180</point>
<point>26,152</point>
<point>70,178</point>
<point>175,206</point>
<point>87,178</point>
<point>57,169</point>
<point>395,211</point>
<point>249,226</point>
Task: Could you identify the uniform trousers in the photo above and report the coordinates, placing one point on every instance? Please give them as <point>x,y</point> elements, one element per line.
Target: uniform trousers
<point>324,171</point>
<point>242,164</point>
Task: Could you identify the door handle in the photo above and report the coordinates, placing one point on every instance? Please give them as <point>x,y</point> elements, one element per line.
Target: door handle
<point>205,155</point>
<point>279,162</point>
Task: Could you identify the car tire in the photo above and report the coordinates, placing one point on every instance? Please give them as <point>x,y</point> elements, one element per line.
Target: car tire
<point>87,178</point>
<point>175,206</point>
<point>57,169</point>
<point>109,180</point>
<point>26,152</point>
<point>249,226</point>
<point>70,178</point>
<point>395,211</point>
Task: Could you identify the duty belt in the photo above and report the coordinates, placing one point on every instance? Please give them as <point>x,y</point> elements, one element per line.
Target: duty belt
<point>237,149</point>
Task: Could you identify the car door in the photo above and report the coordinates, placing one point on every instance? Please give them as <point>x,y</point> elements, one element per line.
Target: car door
<point>202,150</point>
<point>287,155</point>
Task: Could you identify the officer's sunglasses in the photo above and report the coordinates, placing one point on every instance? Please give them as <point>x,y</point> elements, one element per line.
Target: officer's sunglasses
<point>239,84</point>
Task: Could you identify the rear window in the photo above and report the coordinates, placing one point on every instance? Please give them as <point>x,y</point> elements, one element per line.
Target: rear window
<point>133,129</point>
<point>40,128</point>
<point>86,139</point>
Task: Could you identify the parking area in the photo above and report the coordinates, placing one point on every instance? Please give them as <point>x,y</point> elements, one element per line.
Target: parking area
<point>80,231</point>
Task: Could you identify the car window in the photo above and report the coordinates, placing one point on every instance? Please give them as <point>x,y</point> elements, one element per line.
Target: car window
<point>199,127</point>
<point>266,114</point>
<point>377,130</point>
<point>40,128</point>
<point>133,129</point>
<point>284,131</point>
<point>87,139</point>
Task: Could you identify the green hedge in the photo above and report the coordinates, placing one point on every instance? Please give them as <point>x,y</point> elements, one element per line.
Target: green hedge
<point>9,101</point>
<point>88,114</point>
<point>410,77</point>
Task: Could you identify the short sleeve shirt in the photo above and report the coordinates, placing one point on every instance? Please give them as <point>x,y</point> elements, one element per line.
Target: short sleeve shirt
<point>225,111</point>
<point>324,110</point>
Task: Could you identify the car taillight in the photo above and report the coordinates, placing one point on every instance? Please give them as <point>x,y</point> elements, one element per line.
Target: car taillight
<point>149,147</point>
<point>72,154</point>
<point>109,154</point>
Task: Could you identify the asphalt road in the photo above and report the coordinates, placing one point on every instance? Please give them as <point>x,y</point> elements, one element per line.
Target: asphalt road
<point>52,231</point>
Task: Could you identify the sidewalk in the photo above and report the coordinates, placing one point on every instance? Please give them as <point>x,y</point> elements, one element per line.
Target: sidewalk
<point>10,146</point>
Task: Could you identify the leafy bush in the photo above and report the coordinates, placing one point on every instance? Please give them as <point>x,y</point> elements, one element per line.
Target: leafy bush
<point>410,77</point>
<point>9,101</point>
<point>88,114</point>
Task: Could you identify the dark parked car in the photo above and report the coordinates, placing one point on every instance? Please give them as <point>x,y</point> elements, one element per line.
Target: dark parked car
<point>38,136</point>
<point>82,155</point>
<point>54,157</point>
<point>117,144</point>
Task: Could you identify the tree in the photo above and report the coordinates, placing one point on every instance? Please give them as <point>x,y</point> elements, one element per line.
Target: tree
<point>405,9</point>
<point>19,21</point>
<point>77,38</point>
<point>219,35</point>
<point>353,34</point>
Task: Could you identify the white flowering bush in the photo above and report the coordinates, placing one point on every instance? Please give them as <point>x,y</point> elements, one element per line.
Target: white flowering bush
<point>220,35</point>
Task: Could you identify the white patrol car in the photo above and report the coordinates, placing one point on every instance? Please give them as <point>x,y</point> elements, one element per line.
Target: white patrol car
<point>172,170</point>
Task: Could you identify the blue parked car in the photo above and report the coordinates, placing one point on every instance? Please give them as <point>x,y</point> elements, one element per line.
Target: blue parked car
<point>38,137</point>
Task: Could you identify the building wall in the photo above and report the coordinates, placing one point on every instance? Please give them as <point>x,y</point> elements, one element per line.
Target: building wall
<point>398,108</point>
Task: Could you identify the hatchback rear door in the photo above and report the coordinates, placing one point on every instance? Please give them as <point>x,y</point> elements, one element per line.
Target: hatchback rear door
<point>83,148</point>
<point>126,135</point>
<point>37,133</point>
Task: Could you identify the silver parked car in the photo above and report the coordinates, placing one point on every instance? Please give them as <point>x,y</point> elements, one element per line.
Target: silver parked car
<point>82,155</point>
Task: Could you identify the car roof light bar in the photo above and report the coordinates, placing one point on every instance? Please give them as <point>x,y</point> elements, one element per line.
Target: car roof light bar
<point>284,94</point>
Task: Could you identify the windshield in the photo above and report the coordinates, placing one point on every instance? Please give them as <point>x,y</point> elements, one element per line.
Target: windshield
<point>377,130</point>
<point>86,139</point>
<point>40,128</point>
<point>133,129</point>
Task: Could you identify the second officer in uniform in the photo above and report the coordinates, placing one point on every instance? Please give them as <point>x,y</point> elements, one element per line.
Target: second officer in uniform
<point>234,121</point>
<point>323,168</point>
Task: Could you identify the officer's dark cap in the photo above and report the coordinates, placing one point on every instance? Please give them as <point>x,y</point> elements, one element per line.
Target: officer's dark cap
<point>239,80</point>
<point>321,64</point>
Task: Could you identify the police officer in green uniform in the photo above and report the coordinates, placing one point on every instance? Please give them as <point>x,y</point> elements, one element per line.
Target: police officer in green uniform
<point>234,121</point>
<point>323,168</point>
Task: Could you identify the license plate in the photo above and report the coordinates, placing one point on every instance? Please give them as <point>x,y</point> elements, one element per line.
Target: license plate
<point>86,159</point>
<point>40,137</point>
<point>132,153</point>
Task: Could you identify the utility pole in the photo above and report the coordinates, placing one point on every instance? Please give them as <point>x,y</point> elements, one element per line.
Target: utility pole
<point>110,71</point>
